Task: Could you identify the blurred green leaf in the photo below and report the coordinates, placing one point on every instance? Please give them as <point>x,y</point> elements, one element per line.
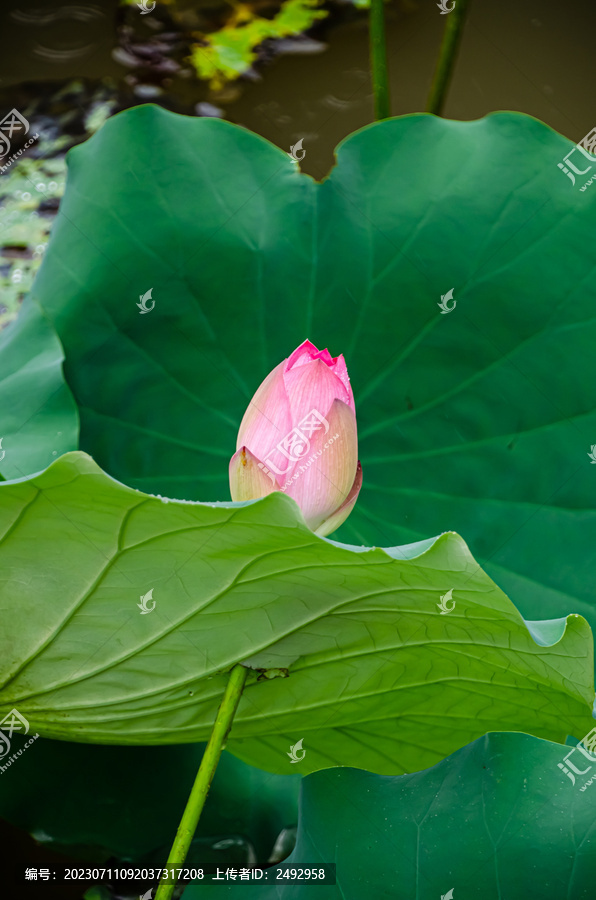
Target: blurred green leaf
<point>496,820</point>
<point>39,418</point>
<point>225,54</point>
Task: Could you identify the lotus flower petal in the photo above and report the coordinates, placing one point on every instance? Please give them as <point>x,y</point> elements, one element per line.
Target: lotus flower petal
<point>307,354</point>
<point>321,481</point>
<point>299,436</point>
<point>248,481</point>
<point>341,514</point>
<point>267,419</point>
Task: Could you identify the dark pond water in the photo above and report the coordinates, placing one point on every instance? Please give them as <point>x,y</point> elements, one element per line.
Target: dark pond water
<point>529,55</point>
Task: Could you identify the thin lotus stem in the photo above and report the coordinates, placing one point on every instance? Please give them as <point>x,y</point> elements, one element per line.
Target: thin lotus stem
<point>198,794</point>
<point>378,59</point>
<point>454,28</point>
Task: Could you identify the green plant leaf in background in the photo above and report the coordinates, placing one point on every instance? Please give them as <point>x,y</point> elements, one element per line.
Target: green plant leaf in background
<point>113,813</point>
<point>377,676</point>
<point>38,416</point>
<point>496,820</point>
<point>225,54</point>
<point>25,193</point>
<point>478,421</point>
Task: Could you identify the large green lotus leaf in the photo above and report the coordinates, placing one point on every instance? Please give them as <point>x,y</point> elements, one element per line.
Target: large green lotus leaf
<point>38,416</point>
<point>51,794</point>
<point>496,821</point>
<point>378,677</point>
<point>478,421</point>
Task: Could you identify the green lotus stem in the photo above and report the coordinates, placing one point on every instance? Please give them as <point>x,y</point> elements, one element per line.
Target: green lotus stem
<point>452,36</point>
<point>378,59</point>
<point>198,795</point>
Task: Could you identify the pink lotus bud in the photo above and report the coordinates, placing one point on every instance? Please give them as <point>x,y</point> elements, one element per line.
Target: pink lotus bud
<point>299,436</point>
